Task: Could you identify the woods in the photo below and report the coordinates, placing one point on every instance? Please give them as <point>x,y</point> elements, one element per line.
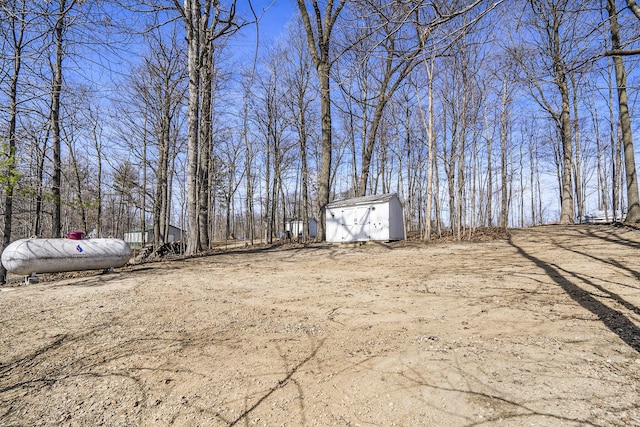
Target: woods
<point>477,113</point>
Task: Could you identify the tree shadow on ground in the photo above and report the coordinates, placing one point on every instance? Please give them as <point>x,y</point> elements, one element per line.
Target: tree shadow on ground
<point>612,234</point>
<point>515,411</point>
<point>280,384</point>
<point>612,262</point>
<point>613,319</point>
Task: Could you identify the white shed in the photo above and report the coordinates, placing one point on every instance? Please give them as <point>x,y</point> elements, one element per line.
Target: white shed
<point>365,218</point>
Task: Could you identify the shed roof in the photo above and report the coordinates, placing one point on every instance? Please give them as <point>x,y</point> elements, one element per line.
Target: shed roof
<point>358,201</point>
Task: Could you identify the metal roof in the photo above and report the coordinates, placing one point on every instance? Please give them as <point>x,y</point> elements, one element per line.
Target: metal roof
<point>357,201</point>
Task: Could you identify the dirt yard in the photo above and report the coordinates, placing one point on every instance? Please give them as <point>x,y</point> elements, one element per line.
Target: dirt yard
<point>541,329</point>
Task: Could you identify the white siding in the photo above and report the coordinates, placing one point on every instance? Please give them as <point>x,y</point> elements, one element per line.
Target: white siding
<point>363,219</point>
<point>379,222</point>
<point>334,224</point>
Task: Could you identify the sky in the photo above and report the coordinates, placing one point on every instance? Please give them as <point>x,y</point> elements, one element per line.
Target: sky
<point>106,67</point>
<point>273,17</point>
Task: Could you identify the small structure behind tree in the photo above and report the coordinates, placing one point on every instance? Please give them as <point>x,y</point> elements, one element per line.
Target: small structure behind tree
<point>296,227</point>
<point>134,237</point>
<point>361,219</point>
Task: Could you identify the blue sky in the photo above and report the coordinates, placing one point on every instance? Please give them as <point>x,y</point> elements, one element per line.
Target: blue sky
<point>273,17</point>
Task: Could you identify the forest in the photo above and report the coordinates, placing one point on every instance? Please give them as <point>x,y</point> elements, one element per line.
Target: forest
<point>133,115</point>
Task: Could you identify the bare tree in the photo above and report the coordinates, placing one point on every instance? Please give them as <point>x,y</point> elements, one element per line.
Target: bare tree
<point>633,199</point>
<point>298,78</point>
<point>98,144</point>
<point>212,78</point>
<point>77,166</point>
<point>560,49</point>
<point>159,96</point>
<point>249,158</point>
<point>399,34</point>
<point>39,146</point>
<point>61,16</point>
<point>272,118</point>
<point>204,23</point>
<point>319,42</point>
<point>505,122</point>
<point>232,171</point>
<point>125,183</point>
<point>16,14</point>
<point>431,144</point>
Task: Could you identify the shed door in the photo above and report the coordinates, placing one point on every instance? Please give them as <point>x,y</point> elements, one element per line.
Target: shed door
<point>357,224</point>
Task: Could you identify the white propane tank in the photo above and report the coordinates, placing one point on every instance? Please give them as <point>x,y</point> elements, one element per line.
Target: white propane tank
<point>27,256</point>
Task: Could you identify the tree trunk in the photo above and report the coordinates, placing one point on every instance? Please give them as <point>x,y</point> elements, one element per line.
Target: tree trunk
<point>602,183</point>
<point>192,19</point>
<point>532,182</point>
<point>267,203</point>
<point>615,170</point>
<point>56,91</point>
<point>567,202</point>
<point>504,208</point>
<point>319,49</point>
<point>143,188</point>
<point>371,140</point>
<point>78,186</point>
<point>171,172</point>
<point>325,169</point>
<point>431,143</point>
<point>161,199</point>
<point>305,178</point>
<point>436,196</point>
<point>450,172</point>
<point>250,220</point>
<point>205,138</point>
<point>460,198</point>
<point>577,170</point>
<point>489,176</point>
<point>42,156</point>
<point>198,29</point>
<point>521,185</point>
<point>620,176</point>
<point>9,164</point>
<point>633,199</point>
<point>98,146</point>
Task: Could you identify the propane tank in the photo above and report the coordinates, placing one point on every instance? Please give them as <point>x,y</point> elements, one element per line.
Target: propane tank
<point>31,256</point>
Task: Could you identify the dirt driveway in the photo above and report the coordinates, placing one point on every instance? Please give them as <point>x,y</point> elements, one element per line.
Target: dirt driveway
<point>541,329</point>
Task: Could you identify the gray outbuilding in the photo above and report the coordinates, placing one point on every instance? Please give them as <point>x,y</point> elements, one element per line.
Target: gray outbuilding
<point>134,237</point>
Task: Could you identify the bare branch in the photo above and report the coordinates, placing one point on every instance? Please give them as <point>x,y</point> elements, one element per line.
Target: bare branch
<point>622,52</point>
<point>634,8</point>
